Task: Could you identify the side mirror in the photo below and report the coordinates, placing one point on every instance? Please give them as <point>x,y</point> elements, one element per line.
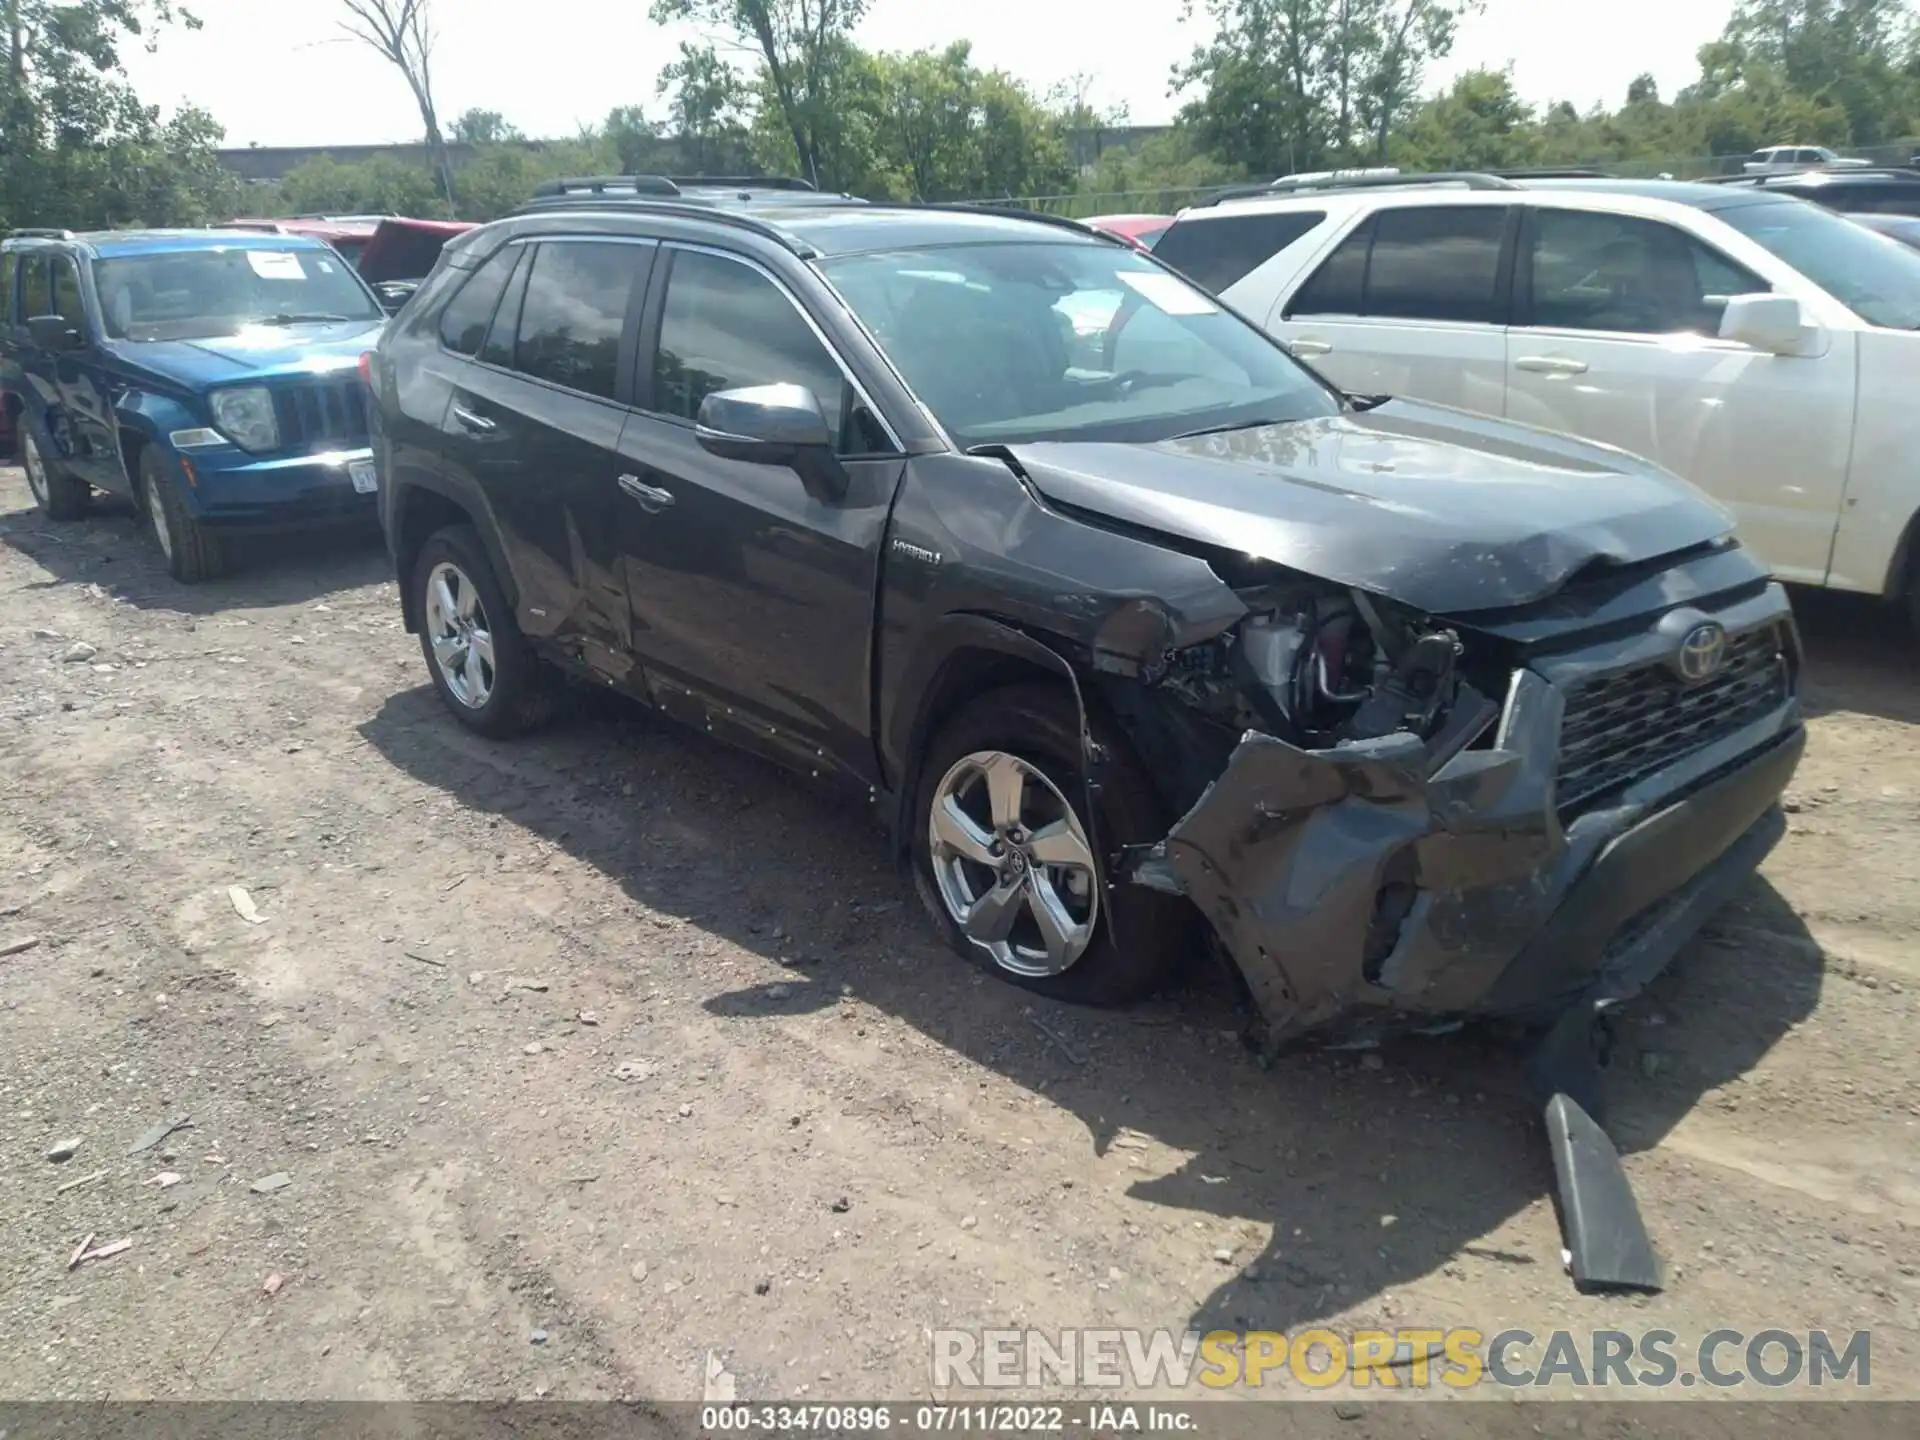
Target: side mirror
<point>55,333</point>
<point>774,425</point>
<point>394,294</point>
<point>1766,322</point>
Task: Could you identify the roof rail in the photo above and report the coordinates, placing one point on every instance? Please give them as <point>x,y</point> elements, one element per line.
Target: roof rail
<point>741,182</point>
<point>1572,172</point>
<point>987,207</point>
<point>549,204</point>
<point>40,235</point>
<point>599,184</point>
<point>1306,184</point>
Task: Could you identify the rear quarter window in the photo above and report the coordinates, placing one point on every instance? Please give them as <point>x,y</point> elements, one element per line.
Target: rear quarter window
<point>1215,251</point>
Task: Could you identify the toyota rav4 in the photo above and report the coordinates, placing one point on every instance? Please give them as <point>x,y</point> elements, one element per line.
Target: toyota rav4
<point>1120,626</point>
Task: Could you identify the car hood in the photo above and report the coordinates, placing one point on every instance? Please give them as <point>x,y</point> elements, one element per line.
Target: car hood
<point>1442,510</point>
<point>267,352</point>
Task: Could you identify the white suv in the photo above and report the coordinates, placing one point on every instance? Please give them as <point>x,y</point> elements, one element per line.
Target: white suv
<point>1795,157</point>
<point>1755,344</point>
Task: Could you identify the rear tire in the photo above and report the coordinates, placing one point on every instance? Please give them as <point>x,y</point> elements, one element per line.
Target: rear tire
<point>58,493</point>
<point>193,552</point>
<point>485,670</point>
<point>1032,732</point>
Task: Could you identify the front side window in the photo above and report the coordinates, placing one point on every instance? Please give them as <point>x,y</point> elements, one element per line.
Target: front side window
<point>1878,282</point>
<point>36,289</point>
<point>1015,343</point>
<point>1215,251</point>
<point>463,324</point>
<point>1594,271</point>
<point>66,294</point>
<point>575,312</point>
<point>197,294</point>
<point>726,326</point>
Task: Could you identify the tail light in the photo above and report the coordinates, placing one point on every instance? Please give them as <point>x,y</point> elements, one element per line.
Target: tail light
<point>366,367</point>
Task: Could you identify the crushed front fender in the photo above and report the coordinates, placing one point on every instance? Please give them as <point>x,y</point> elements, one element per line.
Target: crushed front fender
<point>1381,886</point>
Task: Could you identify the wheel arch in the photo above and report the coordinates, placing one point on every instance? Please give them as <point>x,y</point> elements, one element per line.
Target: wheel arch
<point>421,511</point>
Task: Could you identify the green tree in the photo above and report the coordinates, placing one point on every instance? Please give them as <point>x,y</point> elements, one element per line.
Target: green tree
<point>706,108</point>
<point>633,137</point>
<point>811,76</point>
<point>401,33</point>
<point>381,185</point>
<point>483,127</point>
<point>77,147</point>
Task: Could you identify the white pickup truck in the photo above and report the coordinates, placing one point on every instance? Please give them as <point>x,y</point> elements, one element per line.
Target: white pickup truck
<point>1776,159</point>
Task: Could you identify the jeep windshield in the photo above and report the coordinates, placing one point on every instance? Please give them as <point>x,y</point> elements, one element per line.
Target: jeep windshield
<point>1016,342</point>
<point>1876,279</point>
<point>197,294</point>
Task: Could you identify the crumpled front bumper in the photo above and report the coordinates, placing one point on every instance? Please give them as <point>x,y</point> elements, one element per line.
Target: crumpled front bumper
<point>1375,888</point>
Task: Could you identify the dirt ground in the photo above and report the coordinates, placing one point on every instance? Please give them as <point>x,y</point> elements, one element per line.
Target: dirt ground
<point>586,1058</point>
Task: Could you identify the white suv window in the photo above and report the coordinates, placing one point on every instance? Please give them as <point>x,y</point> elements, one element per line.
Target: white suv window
<point>1588,270</point>
<point>1215,251</point>
<point>1414,263</point>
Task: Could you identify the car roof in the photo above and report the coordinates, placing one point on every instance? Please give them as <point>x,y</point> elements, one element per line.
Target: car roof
<point>1673,192</point>
<point>111,244</point>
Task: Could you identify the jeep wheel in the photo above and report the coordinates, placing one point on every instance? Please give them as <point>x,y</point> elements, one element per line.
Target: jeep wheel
<point>1007,864</point>
<point>483,667</point>
<point>192,551</point>
<point>59,495</point>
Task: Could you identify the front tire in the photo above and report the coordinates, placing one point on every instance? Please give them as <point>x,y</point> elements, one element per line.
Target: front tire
<point>59,494</point>
<point>193,552</point>
<point>485,670</point>
<point>1007,864</point>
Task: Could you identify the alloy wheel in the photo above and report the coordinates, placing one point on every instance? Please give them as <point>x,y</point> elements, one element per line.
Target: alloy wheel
<point>35,466</point>
<point>1012,864</point>
<point>460,634</point>
<point>157,514</point>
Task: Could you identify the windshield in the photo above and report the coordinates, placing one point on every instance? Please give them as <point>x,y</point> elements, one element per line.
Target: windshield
<point>1876,278</point>
<point>193,294</point>
<point>1012,343</point>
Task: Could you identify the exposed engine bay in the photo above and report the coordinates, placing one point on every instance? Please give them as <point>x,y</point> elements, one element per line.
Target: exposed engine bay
<point>1321,666</point>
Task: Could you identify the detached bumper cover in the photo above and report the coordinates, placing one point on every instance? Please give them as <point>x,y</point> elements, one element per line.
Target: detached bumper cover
<point>1366,889</point>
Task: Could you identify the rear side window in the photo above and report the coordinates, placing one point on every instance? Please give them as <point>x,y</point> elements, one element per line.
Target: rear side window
<point>1439,263</point>
<point>1334,289</point>
<point>575,312</point>
<point>1215,251</point>
<point>463,324</point>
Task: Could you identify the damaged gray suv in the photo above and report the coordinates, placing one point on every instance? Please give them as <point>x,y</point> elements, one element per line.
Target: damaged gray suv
<point>1127,622</point>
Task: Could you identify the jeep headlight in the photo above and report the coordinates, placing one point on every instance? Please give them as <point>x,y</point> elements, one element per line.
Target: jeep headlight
<point>246,415</point>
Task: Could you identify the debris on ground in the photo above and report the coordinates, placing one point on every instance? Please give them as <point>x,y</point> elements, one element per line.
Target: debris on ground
<point>271,1286</point>
<point>77,653</point>
<point>62,1151</point>
<point>166,1179</point>
<point>267,1184</point>
<point>1065,1046</point>
<point>634,1070</point>
<point>94,1179</point>
<point>18,947</point>
<point>243,906</point>
<point>159,1132</point>
<point>86,1252</point>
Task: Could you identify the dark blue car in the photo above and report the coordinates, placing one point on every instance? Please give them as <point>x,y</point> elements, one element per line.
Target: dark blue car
<point>211,376</point>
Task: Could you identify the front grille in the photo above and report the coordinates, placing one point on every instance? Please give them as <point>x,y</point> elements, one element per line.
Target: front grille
<point>322,414</point>
<point>1619,728</point>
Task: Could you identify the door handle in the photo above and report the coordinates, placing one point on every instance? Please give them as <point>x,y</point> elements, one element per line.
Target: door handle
<point>1309,347</point>
<point>1551,365</point>
<point>652,498</point>
<point>479,424</point>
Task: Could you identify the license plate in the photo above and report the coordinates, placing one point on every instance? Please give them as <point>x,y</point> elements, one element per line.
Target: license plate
<point>365,478</point>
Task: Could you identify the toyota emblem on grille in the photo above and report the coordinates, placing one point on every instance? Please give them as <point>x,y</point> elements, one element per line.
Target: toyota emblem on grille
<point>1702,652</point>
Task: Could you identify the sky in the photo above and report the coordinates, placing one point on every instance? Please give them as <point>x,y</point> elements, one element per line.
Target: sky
<point>274,72</point>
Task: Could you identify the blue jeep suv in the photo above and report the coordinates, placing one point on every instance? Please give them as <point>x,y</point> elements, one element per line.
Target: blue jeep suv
<point>211,376</point>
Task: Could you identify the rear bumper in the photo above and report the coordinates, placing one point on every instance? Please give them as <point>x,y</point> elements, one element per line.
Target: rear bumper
<point>293,492</point>
<point>1373,888</point>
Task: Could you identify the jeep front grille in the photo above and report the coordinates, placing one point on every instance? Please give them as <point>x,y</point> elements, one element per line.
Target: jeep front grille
<point>329,414</point>
<point>1621,727</point>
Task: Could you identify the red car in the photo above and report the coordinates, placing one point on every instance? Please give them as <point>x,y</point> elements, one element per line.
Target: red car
<point>1141,231</point>
<point>392,254</point>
